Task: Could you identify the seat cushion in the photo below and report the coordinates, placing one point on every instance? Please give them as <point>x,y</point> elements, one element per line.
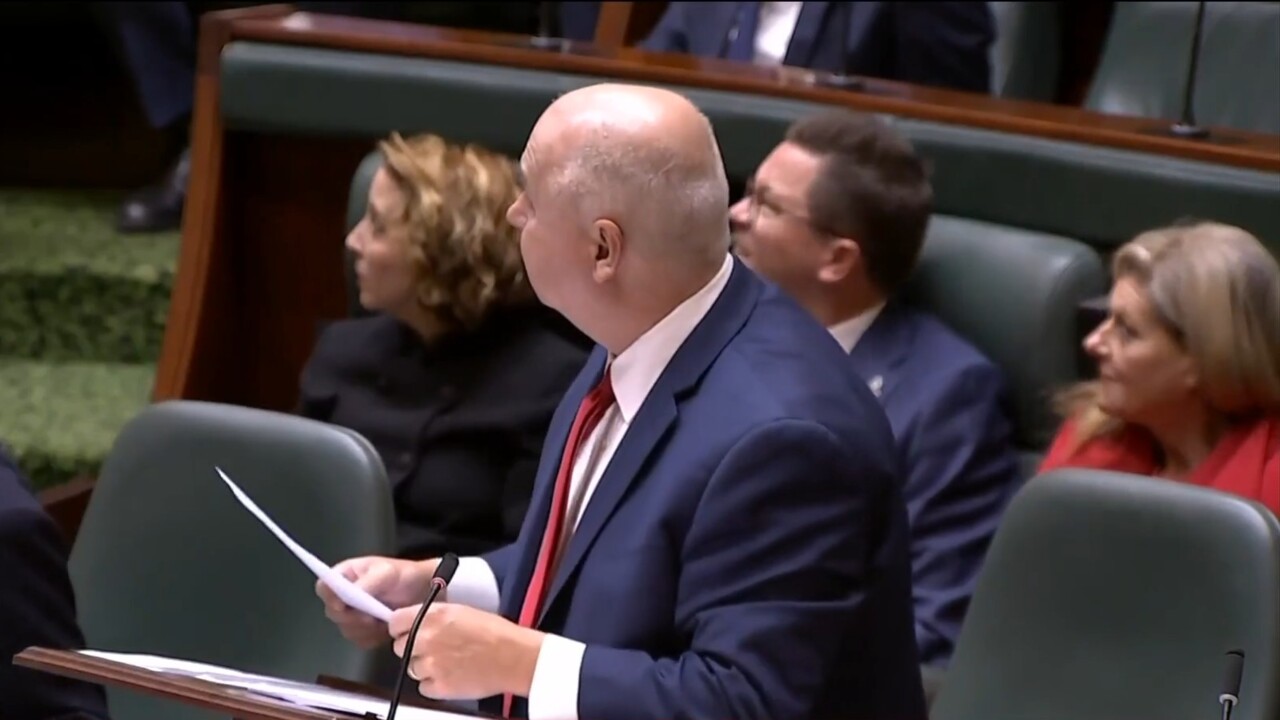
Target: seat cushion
<point>1012,293</point>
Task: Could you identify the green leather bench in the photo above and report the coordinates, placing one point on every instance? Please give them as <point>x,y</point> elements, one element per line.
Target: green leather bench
<point>1143,68</point>
<point>1013,252</point>
<point>1101,196</point>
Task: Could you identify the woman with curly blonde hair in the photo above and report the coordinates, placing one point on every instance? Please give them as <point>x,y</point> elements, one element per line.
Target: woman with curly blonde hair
<point>1189,366</point>
<point>455,375</point>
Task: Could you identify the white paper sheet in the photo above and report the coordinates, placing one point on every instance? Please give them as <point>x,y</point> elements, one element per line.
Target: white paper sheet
<point>344,588</point>
<point>300,693</point>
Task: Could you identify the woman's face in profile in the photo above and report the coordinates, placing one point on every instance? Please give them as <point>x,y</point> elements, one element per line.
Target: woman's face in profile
<point>380,245</point>
<point>1145,376</point>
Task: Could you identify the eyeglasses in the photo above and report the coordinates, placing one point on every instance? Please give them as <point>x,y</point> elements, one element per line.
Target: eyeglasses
<point>758,206</point>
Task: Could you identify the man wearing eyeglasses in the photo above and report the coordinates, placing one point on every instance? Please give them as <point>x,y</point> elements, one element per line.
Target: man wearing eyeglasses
<point>836,216</point>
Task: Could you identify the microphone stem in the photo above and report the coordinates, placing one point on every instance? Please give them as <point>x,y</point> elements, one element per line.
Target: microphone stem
<point>436,586</point>
<point>1189,89</point>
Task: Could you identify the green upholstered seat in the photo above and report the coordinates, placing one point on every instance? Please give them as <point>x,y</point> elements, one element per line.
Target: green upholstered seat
<point>1101,196</point>
<point>1144,65</point>
<point>1113,597</point>
<point>167,562</point>
<point>1025,56</point>
<point>1013,293</point>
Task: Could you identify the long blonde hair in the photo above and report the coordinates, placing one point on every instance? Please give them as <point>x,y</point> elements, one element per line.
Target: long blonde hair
<point>1217,290</point>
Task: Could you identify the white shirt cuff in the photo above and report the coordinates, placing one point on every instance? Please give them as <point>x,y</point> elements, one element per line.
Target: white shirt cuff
<point>474,584</point>
<point>553,694</point>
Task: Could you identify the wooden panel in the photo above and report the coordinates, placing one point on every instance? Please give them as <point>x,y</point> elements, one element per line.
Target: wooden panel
<point>623,24</point>
<point>66,504</point>
<point>272,269</point>
<point>1227,146</point>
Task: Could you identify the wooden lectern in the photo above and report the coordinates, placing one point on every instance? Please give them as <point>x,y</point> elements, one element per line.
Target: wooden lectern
<point>234,702</point>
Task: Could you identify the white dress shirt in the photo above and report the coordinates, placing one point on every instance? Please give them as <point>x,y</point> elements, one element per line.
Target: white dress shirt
<point>554,692</point>
<point>773,33</point>
<point>848,332</point>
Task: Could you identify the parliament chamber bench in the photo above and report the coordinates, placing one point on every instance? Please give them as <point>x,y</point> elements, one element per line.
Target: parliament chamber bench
<point>290,105</point>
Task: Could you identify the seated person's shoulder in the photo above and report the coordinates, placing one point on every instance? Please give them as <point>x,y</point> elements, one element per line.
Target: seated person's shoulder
<point>785,368</point>
<point>947,357</point>
<point>351,340</point>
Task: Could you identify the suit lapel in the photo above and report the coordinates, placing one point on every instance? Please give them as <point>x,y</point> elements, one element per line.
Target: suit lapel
<point>804,38</point>
<point>656,416</point>
<point>881,349</point>
<point>539,511</point>
<point>715,21</point>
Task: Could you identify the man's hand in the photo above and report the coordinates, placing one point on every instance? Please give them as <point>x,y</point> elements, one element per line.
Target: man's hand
<point>462,653</point>
<point>397,583</point>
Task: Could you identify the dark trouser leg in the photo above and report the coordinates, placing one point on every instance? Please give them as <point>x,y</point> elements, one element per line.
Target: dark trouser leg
<point>157,41</point>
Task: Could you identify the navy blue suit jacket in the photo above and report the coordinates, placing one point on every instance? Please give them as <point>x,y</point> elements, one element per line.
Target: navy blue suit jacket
<point>36,608</point>
<point>944,44</point>
<point>946,403</point>
<point>745,554</point>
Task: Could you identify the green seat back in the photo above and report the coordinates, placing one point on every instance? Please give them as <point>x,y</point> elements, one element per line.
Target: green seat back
<point>357,201</point>
<point>1113,597</point>
<point>167,562</point>
<point>1143,69</point>
<point>1013,293</point>
<point>1025,56</point>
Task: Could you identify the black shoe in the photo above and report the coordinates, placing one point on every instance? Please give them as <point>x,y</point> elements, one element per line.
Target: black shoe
<point>158,207</point>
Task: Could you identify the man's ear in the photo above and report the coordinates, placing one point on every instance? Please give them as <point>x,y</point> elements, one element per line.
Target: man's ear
<point>841,258</point>
<point>607,246</point>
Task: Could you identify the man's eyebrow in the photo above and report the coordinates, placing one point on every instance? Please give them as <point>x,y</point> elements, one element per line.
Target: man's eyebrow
<point>520,176</point>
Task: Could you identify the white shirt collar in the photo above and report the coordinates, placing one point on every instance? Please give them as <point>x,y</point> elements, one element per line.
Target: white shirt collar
<point>849,332</point>
<point>637,369</point>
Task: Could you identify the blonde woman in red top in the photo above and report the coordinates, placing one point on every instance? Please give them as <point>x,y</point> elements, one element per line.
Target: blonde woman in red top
<point>1189,366</point>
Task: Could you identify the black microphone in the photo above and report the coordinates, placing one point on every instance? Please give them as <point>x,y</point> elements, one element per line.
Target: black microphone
<point>439,581</point>
<point>1186,127</point>
<point>1231,683</point>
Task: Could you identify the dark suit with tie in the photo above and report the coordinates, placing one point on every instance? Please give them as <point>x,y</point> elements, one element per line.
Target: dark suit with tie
<point>458,423</point>
<point>945,402</point>
<point>37,607</point>
<point>744,554</point>
<point>944,44</point>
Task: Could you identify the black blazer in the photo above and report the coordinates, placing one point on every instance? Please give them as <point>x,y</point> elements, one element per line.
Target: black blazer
<point>458,423</point>
<point>37,607</point>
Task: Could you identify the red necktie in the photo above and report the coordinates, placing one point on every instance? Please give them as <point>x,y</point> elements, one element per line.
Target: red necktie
<point>590,412</point>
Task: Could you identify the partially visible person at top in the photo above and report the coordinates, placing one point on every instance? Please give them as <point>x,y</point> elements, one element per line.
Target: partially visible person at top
<point>1188,358</point>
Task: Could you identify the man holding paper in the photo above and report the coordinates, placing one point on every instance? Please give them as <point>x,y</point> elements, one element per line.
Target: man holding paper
<point>717,529</point>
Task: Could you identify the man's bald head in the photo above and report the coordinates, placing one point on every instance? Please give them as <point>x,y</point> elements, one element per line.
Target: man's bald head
<point>643,157</point>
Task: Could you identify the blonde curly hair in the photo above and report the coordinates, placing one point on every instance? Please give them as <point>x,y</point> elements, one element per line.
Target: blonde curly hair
<point>466,254</point>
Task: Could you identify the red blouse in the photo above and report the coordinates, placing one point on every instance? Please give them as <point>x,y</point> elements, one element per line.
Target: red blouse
<point>1246,461</point>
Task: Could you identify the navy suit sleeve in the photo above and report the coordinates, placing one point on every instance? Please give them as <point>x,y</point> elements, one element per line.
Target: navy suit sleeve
<point>777,560</point>
<point>962,470</point>
<point>37,608</point>
<point>671,34</point>
<point>946,44</point>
